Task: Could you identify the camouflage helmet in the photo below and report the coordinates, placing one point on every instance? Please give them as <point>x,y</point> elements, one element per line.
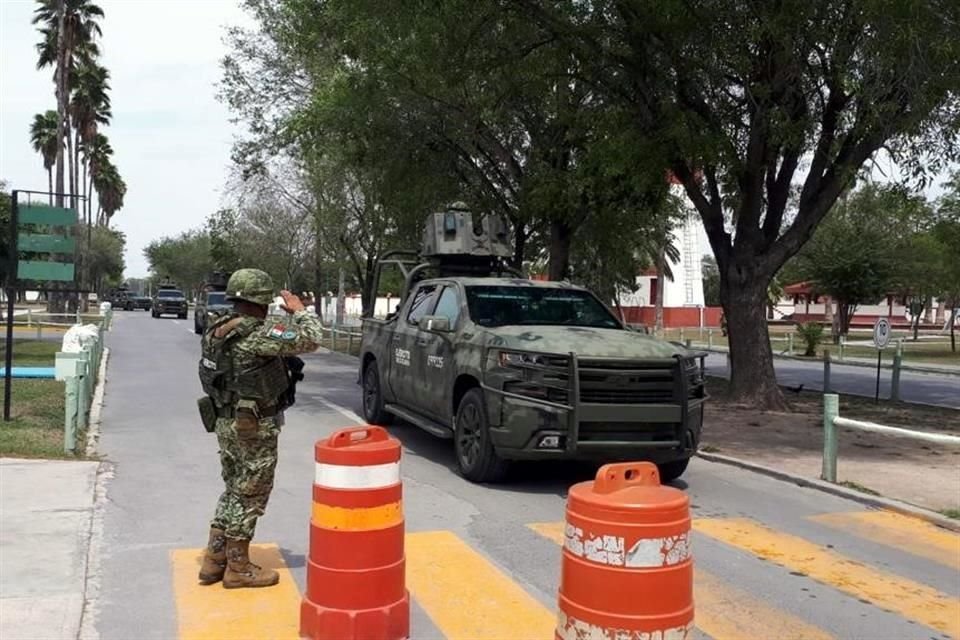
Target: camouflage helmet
<point>252,285</point>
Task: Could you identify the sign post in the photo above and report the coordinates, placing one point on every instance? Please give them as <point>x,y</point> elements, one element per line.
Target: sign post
<point>42,249</point>
<point>881,338</point>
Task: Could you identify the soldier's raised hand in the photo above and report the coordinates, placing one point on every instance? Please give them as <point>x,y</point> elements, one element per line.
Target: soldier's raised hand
<point>291,303</point>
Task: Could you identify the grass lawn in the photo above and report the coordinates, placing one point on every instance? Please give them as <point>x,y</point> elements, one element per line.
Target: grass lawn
<point>31,353</point>
<point>36,427</point>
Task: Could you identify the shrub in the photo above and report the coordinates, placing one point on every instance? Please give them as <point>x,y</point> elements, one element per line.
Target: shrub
<point>812,335</point>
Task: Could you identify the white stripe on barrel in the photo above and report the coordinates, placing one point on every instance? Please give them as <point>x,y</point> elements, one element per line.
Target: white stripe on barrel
<point>601,548</point>
<point>373,476</point>
<point>573,629</point>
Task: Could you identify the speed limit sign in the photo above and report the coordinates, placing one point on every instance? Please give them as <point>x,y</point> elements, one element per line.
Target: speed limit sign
<point>881,333</point>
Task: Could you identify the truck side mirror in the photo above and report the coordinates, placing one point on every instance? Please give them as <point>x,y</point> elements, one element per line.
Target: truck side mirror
<point>435,324</point>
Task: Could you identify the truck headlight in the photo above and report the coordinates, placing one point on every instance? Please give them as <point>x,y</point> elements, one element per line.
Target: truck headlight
<point>517,359</point>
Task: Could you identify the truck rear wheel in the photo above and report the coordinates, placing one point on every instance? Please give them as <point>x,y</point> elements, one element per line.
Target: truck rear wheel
<point>476,457</point>
<point>373,411</point>
<point>670,471</point>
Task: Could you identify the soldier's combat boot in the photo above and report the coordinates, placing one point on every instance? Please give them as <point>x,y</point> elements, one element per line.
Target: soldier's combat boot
<point>243,573</point>
<point>214,558</point>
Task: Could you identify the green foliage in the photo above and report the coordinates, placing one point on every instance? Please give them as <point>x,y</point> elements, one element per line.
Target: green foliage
<point>812,335</point>
<point>103,259</point>
<point>185,259</point>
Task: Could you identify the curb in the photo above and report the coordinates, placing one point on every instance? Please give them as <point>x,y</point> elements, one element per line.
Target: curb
<point>96,406</point>
<point>879,502</point>
<point>849,363</point>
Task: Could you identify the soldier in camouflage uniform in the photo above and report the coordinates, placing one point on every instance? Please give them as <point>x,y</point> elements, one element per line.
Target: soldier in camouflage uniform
<point>246,380</point>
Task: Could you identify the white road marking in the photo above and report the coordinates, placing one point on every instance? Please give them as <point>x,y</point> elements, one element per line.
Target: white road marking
<point>342,410</point>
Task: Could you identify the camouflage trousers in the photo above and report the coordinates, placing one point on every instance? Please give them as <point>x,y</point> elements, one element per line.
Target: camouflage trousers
<point>247,468</point>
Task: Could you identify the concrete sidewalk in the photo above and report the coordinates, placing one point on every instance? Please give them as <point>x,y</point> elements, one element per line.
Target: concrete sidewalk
<point>46,511</point>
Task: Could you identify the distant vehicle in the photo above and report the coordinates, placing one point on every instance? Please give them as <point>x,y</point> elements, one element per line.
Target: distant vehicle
<point>210,305</point>
<point>169,300</point>
<point>138,302</point>
<point>212,301</point>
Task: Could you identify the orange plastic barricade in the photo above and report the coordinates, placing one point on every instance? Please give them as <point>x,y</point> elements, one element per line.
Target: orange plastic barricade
<point>356,586</point>
<point>627,571</point>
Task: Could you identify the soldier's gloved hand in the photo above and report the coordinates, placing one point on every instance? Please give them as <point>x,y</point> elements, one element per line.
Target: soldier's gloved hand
<point>291,303</point>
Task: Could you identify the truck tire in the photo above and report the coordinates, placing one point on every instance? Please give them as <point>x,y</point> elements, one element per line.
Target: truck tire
<point>373,411</point>
<point>670,471</point>
<point>476,457</point>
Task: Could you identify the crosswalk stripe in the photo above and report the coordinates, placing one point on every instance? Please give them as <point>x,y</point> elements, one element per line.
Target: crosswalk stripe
<point>723,611</point>
<point>466,596</point>
<point>214,613</point>
<point>911,599</point>
<point>901,532</point>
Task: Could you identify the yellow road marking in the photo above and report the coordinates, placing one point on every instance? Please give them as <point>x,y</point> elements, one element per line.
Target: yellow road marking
<point>910,599</point>
<point>911,535</point>
<point>466,596</point>
<point>723,611</point>
<point>358,519</point>
<point>215,613</point>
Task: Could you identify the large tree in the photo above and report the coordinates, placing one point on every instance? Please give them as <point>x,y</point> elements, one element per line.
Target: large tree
<point>767,111</point>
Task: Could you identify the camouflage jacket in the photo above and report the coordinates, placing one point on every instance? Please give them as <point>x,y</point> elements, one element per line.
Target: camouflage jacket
<point>256,374</point>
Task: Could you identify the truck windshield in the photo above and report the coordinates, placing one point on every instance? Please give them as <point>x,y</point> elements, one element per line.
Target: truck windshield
<point>216,298</point>
<point>169,293</point>
<point>497,306</point>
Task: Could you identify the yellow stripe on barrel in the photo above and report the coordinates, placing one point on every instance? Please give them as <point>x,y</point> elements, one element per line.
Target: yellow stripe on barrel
<point>357,518</point>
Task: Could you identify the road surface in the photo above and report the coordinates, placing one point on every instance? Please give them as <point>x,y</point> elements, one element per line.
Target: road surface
<point>926,388</point>
<point>772,560</point>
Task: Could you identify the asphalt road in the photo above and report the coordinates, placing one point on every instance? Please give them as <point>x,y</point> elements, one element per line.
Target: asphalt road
<point>926,388</point>
<point>772,560</point>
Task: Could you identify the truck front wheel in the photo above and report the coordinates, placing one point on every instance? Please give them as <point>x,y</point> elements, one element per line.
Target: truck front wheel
<point>373,411</point>
<point>476,457</point>
<point>670,471</point>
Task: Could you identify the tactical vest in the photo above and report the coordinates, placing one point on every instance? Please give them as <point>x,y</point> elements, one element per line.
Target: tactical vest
<point>228,378</point>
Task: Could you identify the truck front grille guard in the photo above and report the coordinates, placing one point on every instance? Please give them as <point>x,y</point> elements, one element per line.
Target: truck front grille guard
<point>677,365</point>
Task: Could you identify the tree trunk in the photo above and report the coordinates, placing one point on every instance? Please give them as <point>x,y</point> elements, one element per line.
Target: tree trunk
<point>561,236</point>
<point>76,172</point>
<point>62,97</point>
<point>658,301</point>
<point>953,328</point>
<point>753,378</point>
<point>50,183</point>
<point>519,246</point>
<point>73,184</point>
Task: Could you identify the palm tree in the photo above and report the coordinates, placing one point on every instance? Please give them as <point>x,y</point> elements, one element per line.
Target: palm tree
<point>69,28</point>
<point>89,108</point>
<point>97,154</point>
<point>43,137</point>
<point>110,189</point>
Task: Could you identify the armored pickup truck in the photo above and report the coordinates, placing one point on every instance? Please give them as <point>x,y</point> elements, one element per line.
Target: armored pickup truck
<point>169,300</point>
<point>517,369</point>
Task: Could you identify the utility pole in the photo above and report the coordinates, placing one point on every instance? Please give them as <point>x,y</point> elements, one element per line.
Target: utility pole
<point>341,300</point>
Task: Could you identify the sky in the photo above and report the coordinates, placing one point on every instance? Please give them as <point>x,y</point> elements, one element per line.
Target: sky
<point>170,135</point>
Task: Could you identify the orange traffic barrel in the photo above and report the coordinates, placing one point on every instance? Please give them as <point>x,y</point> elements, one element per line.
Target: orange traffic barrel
<point>626,571</point>
<point>356,587</point>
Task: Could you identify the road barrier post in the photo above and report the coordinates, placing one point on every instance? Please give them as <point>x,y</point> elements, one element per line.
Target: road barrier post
<point>626,534</point>
<point>895,379</point>
<point>826,370</point>
<point>843,345</point>
<point>831,409</point>
<point>681,334</point>
<point>790,344</point>
<point>689,343</point>
<point>71,411</point>
<point>709,338</point>
<point>83,398</point>
<point>356,586</point>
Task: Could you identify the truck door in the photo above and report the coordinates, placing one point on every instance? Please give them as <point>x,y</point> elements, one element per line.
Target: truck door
<point>406,369</point>
<point>438,353</point>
